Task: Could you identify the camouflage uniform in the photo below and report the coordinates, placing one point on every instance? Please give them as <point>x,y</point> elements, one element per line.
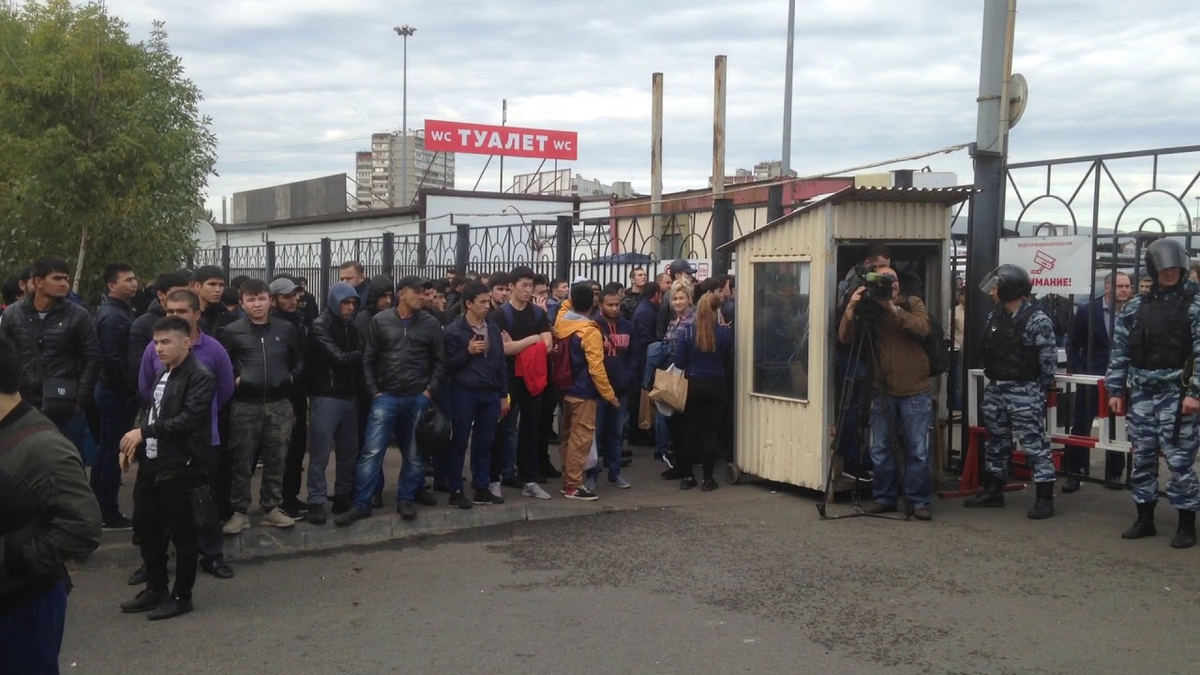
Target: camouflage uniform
<point>1016,407</point>
<point>1155,401</point>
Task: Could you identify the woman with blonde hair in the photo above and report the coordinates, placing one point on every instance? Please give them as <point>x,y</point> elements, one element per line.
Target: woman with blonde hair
<point>703,352</point>
<point>680,298</point>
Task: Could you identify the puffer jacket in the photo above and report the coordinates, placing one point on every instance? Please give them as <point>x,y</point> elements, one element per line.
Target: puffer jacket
<point>334,362</point>
<point>114,320</point>
<point>268,366</point>
<point>403,360</point>
<point>63,345</point>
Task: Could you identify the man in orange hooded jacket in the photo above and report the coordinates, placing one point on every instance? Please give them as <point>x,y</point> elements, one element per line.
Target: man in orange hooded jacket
<point>585,345</point>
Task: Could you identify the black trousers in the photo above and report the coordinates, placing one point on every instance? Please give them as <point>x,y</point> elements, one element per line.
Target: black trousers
<point>550,401</point>
<point>212,539</point>
<point>220,471</point>
<point>162,509</point>
<point>293,463</point>
<point>706,407</point>
<point>528,428</point>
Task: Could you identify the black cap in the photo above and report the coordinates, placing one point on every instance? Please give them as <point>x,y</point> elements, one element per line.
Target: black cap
<point>680,266</point>
<point>415,283</point>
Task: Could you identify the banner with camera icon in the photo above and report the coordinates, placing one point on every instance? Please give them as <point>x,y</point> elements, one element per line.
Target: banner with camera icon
<point>1061,265</point>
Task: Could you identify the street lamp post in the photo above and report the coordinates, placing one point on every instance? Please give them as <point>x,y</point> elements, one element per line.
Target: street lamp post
<point>404,32</point>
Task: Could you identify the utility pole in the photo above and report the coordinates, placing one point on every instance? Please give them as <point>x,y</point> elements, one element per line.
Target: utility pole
<point>404,32</point>
<point>785,164</point>
<point>990,153</point>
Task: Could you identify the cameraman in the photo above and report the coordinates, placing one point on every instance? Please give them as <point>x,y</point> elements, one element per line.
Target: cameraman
<point>901,406</point>
<point>877,256</point>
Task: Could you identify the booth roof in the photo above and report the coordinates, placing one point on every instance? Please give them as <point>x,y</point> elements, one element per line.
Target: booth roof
<point>944,196</point>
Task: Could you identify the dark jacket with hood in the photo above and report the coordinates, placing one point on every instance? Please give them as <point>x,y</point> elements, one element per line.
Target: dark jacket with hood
<point>48,512</point>
<point>63,345</point>
<point>114,321</point>
<point>334,363</point>
<point>403,358</point>
<point>215,318</point>
<point>183,424</point>
<point>476,372</point>
<point>378,285</point>
<point>268,366</point>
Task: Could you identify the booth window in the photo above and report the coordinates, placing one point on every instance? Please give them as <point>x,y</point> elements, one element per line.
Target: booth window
<point>781,308</point>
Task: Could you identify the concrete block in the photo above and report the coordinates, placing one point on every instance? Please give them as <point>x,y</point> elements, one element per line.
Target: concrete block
<point>376,528</point>
<point>262,541</point>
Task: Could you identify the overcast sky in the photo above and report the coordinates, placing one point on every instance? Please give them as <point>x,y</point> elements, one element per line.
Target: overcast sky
<point>294,89</point>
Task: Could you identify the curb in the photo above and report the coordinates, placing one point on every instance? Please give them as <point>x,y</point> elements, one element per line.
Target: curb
<point>267,542</point>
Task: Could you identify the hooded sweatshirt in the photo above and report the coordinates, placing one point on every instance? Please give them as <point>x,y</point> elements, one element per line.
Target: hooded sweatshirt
<point>586,345</point>
<point>376,287</point>
<point>334,358</point>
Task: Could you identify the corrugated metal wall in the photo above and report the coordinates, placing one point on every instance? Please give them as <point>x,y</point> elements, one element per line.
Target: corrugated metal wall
<point>890,221</point>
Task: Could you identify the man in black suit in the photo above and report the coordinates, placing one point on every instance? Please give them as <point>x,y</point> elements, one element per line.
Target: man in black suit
<point>1094,319</point>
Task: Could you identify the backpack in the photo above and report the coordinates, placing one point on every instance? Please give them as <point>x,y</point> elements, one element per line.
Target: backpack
<point>561,376</point>
<point>937,349</point>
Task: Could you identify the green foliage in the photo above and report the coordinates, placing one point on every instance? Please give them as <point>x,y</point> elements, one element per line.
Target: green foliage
<point>104,155</point>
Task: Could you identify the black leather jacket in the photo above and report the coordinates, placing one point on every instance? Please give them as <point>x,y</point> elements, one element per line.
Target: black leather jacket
<point>268,366</point>
<point>63,345</point>
<point>114,321</point>
<point>183,424</point>
<point>400,360</point>
<point>334,362</point>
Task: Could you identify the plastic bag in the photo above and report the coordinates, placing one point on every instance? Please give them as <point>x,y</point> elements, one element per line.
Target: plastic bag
<point>593,457</point>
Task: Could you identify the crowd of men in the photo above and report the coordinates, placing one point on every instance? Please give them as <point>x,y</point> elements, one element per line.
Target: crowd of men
<point>208,381</point>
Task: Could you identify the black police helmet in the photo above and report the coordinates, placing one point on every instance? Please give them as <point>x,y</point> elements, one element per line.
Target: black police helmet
<point>1164,254</point>
<point>1010,281</point>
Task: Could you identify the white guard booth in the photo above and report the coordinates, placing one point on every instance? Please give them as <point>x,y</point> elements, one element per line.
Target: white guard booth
<point>787,285</point>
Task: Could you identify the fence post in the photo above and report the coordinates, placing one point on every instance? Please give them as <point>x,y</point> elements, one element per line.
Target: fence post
<point>388,255</point>
<point>225,258</point>
<point>323,280</point>
<point>462,248</point>
<point>722,234</point>
<point>564,237</point>
<point>774,202</point>
<point>270,259</point>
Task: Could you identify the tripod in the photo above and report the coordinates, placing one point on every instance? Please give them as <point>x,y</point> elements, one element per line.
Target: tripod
<point>865,343</point>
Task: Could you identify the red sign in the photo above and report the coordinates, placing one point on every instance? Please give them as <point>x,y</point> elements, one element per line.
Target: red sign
<point>488,139</point>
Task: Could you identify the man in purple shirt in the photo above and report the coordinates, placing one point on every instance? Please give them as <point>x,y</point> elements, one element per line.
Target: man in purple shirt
<point>208,351</point>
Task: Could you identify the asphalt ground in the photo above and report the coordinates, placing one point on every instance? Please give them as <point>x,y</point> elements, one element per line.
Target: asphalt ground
<point>744,579</point>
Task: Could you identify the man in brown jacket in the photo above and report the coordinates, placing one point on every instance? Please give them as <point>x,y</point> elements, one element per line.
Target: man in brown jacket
<point>901,407</point>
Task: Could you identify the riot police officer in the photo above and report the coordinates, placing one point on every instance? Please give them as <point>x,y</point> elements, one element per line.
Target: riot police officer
<point>1020,358</point>
<point>1156,341</point>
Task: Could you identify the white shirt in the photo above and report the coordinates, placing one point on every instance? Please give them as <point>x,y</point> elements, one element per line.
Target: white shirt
<point>159,388</point>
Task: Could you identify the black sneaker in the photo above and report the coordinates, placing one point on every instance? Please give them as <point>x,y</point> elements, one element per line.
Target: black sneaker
<point>407,510</point>
<point>144,602</point>
<point>459,501</point>
<point>139,577</point>
<point>217,568</point>
<point>350,516</point>
<point>170,609</point>
<point>687,483</point>
<point>316,514</point>
<point>708,485</point>
<point>340,505</point>
<point>377,502</point>
<point>117,523</point>
<point>674,474</point>
<point>297,511</point>
<point>484,498</point>
<point>424,498</point>
<point>581,493</point>
<point>512,482</point>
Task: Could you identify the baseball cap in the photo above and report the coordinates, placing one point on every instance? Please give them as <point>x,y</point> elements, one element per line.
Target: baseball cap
<point>681,265</point>
<point>283,286</point>
<point>581,280</point>
<point>413,282</point>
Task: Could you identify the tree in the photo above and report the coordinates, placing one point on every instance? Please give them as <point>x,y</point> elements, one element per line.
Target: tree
<point>104,155</point>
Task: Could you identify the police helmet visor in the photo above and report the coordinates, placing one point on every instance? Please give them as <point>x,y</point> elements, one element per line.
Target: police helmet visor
<point>990,282</point>
<point>1166,256</point>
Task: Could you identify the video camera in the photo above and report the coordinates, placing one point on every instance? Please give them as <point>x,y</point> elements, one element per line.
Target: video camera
<point>879,286</point>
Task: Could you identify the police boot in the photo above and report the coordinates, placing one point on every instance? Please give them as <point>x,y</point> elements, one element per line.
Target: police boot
<point>1043,506</point>
<point>992,497</point>
<point>1144,525</point>
<point>1185,534</point>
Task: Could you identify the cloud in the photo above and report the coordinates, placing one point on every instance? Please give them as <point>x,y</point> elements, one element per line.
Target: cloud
<point>295,89</point>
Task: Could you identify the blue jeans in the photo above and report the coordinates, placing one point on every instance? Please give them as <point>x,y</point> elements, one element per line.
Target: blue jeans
<point>391,415</point>
<point>333,422</point>
<point>911,417</point>
<point>608,440</point>
<point>658,355</point>
<point>31,635</point>
<point>75,428</point>
<point>474,415</point>
<point>116,417</point>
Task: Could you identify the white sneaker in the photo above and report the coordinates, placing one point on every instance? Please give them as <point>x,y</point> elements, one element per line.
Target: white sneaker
<point>237,523</point>
<point>494,488</point>
<point>277,518</point>
<point>534,490</point>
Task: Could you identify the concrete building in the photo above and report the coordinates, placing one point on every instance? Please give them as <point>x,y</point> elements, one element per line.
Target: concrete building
<point>560,183</point>
<point>766,170</point>
<point>379,171</point>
